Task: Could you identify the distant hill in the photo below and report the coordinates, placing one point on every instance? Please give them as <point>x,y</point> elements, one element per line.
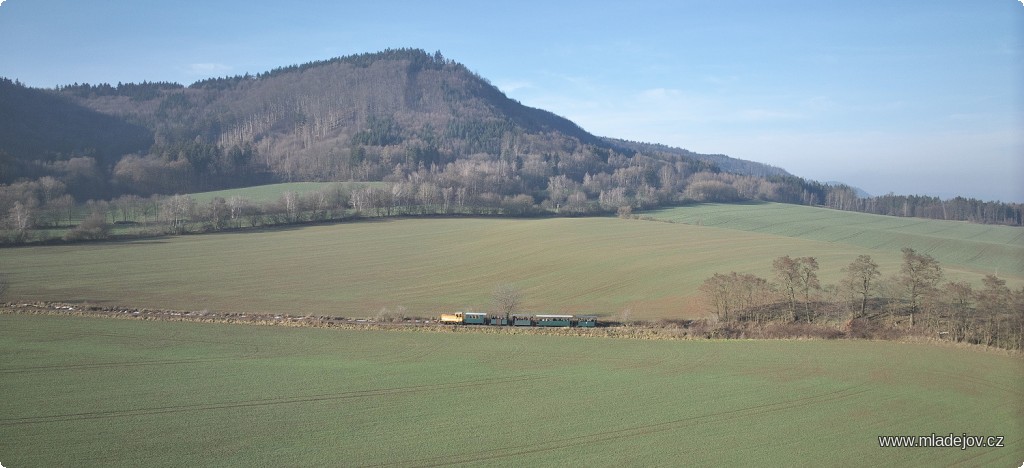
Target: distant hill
<point>859,191</point>
<point>322,120</point>
<point>723,162</point>
<point>41,131</point>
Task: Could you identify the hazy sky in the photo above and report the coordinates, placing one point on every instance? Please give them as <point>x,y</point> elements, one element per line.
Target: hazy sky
<point>905,96</point>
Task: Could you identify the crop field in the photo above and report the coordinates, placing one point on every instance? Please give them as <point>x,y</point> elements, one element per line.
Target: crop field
<point>422,267</point>
<point>104,392</point>
<point>987,248</point>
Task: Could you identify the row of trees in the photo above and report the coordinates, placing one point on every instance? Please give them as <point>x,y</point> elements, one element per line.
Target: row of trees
<point>916,300</point>
<point>957,209</point>
<point>29,219</point>
<point>470,186</point>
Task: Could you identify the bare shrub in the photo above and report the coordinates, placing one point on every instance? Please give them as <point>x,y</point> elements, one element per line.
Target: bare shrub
<point>93,227</point>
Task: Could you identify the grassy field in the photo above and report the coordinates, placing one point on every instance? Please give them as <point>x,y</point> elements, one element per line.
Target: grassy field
<point>103,392</point>
<point>425,266</point>
<point>259,195</point>
<point>273,192</point>
<point>987,248</point>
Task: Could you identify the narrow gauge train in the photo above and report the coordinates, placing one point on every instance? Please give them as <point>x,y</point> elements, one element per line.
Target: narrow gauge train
<point>520,320</point>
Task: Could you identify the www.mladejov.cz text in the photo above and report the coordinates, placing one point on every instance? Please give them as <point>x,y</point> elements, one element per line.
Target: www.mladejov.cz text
<point>962,441</point>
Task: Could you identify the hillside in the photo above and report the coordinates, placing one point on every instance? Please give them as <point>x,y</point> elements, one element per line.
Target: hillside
<point>362,117</point>
<point>990,249</point>
<point>42,133</point>
<point>348,118</point>
<point>398,116</point>
<point>721,161</point>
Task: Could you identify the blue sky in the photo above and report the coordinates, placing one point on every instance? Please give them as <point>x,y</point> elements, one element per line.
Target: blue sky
<point>909,96</point>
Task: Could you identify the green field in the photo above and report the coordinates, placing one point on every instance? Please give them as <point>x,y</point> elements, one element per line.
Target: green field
<point>426,266</point>
<point>259,195</point>
<point>103,392</point>
<point>987,248</point>
<point>272,192</point>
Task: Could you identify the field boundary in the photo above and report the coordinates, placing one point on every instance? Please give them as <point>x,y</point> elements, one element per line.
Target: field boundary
<point>633,331</point>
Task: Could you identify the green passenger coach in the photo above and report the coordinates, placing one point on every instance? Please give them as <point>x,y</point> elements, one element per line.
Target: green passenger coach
<point>553,320</point>
<point>475,318</point>
<point>497,320</point>
<point>522,320</point>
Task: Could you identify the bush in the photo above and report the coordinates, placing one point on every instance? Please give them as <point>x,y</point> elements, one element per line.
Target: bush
<point>93,227</point>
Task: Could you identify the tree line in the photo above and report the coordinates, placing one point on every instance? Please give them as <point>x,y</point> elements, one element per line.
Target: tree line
<point>916,300</point>
<point>842,197</point>
<point>158,215</point>
<point>40,211</point>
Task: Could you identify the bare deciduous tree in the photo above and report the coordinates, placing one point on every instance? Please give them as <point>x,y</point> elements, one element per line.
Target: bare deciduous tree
<point>860,279</point>
<point>177,210</point>
<point>716,292</point>
<point>919,275</point>
<point>787,272</point>
<point>21,219</point>
<point>808,269</point>
<point>93,227</point>
<point>290,201</point>
<point>736,292</point>
<point>507,299</point>
<point>959,298</point>
<point>797,275</point>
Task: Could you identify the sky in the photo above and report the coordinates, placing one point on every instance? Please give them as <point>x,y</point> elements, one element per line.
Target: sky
<point>907,97</point>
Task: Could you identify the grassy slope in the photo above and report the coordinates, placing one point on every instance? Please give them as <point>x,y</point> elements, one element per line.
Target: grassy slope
<point>987,248</point>
<point>259,194</point>
<point>587,265</point>
<point>133,393</point>
<point>273,192</point>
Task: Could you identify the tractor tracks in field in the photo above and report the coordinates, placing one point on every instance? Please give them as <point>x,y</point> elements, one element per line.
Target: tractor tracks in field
<point>635,431</point>
<point>116,365</point>
<point>264,402</point>
<point>979,381</point>
<point>73,335</point>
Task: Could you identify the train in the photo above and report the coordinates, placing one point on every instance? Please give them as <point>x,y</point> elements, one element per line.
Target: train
<point>519,320</point>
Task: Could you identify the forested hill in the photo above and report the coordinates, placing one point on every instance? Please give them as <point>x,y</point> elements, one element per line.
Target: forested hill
<point>723,162</point>
<point>399,115</point>
<point>41,133</point>
<point>349,118</point>
<point>355,117</point>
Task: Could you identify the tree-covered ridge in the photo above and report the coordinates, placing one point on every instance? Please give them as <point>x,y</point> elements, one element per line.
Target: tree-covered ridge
<point>417,58</point>
<point>135,91</point>
<point>47,134</point>
<point>723,162</point>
